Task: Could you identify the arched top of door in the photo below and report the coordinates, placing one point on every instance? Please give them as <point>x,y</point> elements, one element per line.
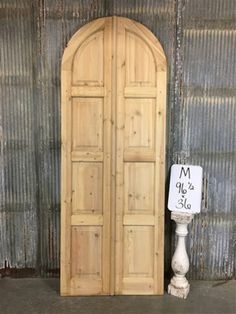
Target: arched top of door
<point>89,30</point>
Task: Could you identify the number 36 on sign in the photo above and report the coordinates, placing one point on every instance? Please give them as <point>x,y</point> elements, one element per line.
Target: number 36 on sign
<point>185,189</point>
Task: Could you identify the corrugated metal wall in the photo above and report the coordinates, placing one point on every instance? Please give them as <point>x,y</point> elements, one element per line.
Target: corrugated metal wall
<point>199,38</point>
<point>207,130</point>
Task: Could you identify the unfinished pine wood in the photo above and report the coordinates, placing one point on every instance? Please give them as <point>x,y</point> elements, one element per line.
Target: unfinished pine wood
<point>139,188</point>
<point>88,61</point>
<point>113,160</point>
<point>139,126</point>
<point>87,187</point>
<point>87,136</point>
<point>139,160</point>
<point>86,161</point>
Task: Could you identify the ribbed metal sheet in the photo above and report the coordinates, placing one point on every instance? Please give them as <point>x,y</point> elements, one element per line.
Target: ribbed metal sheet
<point>206,128</point>
<point>199,39</point>
<point>208,140</point>
<point>18,207</point>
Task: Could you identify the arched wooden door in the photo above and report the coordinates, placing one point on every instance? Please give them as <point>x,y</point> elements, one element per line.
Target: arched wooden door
<point>113,160</point>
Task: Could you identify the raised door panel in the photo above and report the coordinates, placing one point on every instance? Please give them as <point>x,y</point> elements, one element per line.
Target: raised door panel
<point>139,129</point>
<point>139,188</point>
<point>139,243</point>
<point>88,63</point>
<point>87,183</point>
<point>87,124</point>
<point>138,260</point>
<point>86,256</point>
<point>86,252</point>
<point>140,66</point>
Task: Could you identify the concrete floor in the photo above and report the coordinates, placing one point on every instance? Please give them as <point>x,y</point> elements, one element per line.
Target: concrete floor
<point>31,296</point>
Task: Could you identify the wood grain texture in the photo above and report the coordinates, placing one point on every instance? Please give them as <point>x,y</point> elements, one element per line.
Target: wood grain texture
<point>113,160</point>
<point>86,233</point>
<point>139,160</point>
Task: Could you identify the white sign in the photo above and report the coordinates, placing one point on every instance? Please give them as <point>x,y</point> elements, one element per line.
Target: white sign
<point>185,192</point>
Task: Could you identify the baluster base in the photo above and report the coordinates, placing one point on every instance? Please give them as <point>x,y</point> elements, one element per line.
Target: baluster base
<point>179,287</point>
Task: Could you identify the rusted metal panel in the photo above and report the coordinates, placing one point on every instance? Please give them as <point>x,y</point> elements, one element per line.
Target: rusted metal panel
<point>199,39</point>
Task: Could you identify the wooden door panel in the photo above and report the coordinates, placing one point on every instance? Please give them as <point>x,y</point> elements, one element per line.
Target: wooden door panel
<point>138,259</point>
<point>88,65</point>
<point>139,188</point>
<point>87,182</point>
<point>139,129</point>
<point>87,120</point>
<point>86,252</point>
<point>138,256</point>
<point>140,63</point>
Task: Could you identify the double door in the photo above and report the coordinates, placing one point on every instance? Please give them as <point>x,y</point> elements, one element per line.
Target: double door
<point>113,154</point>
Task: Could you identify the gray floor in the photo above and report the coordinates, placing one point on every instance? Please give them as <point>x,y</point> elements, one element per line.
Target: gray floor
<point>42,296</point>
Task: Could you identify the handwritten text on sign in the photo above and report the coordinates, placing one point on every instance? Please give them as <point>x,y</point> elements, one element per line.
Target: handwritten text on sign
<point>185,189</point>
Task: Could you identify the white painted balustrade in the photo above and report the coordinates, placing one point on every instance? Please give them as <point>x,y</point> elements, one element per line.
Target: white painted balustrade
<point>179,285</point>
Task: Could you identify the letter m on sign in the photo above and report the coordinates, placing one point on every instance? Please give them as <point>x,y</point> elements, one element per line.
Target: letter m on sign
<point>184,172</point>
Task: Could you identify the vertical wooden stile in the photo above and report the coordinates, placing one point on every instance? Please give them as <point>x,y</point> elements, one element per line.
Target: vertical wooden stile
<point>113,149</point>
<point>66,182</point>
<point>106,270</point>
<point>120,65</point>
